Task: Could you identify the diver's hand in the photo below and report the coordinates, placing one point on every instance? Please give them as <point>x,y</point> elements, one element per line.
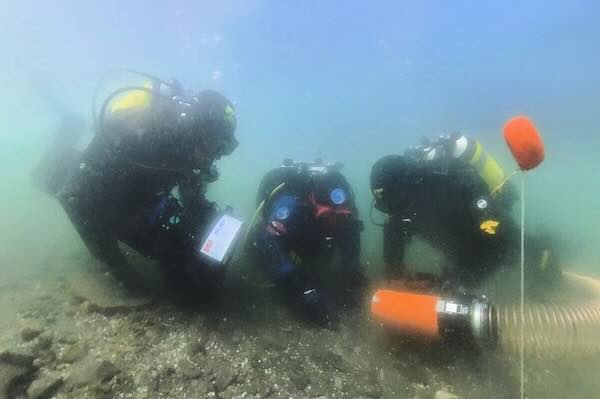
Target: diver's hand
<point>200,213</point>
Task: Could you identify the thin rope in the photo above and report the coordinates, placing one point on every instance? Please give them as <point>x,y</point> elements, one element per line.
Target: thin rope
<point>522,343</point>
<point>501,185</point>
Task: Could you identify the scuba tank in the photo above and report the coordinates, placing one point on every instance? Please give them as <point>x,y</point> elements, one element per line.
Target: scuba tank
<point>141,98</point>
<point>462,148</point>
<point>133,96</point>
<point>472,152</point>
<point>164,106</point>
<point>291,169</point>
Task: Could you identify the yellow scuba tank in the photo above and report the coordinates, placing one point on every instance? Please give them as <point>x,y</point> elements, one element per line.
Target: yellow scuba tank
<point>133,100</point>
<point>472,152</point>
<point>469,151</point>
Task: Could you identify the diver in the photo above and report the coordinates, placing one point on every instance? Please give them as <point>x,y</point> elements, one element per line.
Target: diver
<point>142,181</point>
<point>455,196</point>
<point>308,215</point>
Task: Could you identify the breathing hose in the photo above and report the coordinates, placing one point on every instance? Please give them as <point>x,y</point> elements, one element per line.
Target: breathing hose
<point>371,217</point>
<point>259,210</point>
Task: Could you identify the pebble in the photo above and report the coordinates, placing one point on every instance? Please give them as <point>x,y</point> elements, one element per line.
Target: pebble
<point>147,379</point>
<point>299,379</point>
<point>225,377</point>
<point>14,367</point>
<point>43,343</point>
<point>445,395</point>
<point>29,333</point>
<point>188,369</point>
<point>332,359</point>
<point>91,372</point>
<point>44,387</point>
<point>338,383</point>
<point>18,359</point>
<point>71,353</point>
<point>196,346</point>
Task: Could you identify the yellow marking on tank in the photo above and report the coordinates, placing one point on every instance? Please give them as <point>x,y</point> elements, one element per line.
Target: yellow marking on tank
<point>489,226</point>
<point>477,154</point>
<point>134,99</point>
<point>492,173</point>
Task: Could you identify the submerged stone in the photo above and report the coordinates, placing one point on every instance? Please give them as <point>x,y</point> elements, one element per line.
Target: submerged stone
<point>444,395</point>
<point>188,369</point>
<point>71,353</point>
<point>300,379</point>
<point>103,294</point>
<point>14,367</point>
<point>44,387</point>
<point>30,332</point>
<point>225,377</point>
<point>43,343</point>
<point>91,372</point>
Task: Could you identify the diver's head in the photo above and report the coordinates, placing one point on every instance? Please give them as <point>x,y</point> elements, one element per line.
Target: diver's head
<point>214,123</point>
<point>396,181</point>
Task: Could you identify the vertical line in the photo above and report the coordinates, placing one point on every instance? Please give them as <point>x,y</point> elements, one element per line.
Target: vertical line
<point>522,343</point>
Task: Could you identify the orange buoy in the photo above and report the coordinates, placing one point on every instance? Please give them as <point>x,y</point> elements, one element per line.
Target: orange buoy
<point>524,142</point>
<point>407,312</point>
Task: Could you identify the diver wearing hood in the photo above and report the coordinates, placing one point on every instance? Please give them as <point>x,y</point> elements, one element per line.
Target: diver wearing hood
<point>455,196</point>
<point>308,215</point>
<point>150,143</point>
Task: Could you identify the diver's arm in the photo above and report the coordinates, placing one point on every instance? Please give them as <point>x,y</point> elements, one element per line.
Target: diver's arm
<point>348,237</point>
<point>396,237</point>
<point>348,243</point>
<point>297,286</point>
<point>352,281</point>
<point>273,248</point>
<point>192,191</point>
<point>274,243</point>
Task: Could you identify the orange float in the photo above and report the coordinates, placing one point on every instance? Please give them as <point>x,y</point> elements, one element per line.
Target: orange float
<point>524,142</point>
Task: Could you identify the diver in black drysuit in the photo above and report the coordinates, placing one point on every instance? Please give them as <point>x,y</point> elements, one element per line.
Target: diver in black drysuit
<point>309,215</point>
<point>120,188</point>
<point>451,194</point>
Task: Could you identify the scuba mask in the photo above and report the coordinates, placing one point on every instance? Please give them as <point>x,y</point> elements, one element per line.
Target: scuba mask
<point>228,145</point>
<point>209,122</point>
<point>214,122</point>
